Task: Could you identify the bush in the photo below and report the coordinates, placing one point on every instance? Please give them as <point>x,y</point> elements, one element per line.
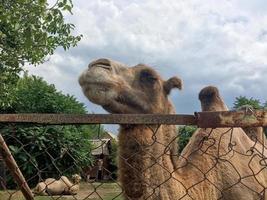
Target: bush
<point>47,151</point>
<point>114,159</point>
<point>185,133</point>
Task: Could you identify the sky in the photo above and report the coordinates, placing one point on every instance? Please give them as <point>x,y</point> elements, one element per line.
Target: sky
<point>208,42</point>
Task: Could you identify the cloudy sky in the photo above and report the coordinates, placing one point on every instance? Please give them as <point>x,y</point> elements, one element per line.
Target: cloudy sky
<point>207,42</point>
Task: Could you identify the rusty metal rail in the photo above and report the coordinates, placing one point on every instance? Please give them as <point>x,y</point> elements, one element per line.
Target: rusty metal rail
<point>201,119</point>
<point>59,119</point>
<point>256,118</point>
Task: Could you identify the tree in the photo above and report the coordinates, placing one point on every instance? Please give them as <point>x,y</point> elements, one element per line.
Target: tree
<point>8,79</point>
<point>243,101</point>
<point>47,151</point>
<point>30,30</point>
<point>255,103</point>
<point>34,95</point>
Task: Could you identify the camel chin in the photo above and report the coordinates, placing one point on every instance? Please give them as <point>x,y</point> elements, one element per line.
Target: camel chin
<point>99,95</point>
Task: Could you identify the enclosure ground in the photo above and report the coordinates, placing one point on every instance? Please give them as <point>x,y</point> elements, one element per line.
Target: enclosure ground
<point>90,191</point>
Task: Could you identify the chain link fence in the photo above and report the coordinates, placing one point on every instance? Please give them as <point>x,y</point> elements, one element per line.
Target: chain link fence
<point>158,156</point>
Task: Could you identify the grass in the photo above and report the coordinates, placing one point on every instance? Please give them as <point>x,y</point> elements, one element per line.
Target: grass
<point>90,191</point>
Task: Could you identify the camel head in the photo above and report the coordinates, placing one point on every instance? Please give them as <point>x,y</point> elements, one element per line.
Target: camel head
<point>76,178</point>
<point>127,90</point>
<point>211,100</point>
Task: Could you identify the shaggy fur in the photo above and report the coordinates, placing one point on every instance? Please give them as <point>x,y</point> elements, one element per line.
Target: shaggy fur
<point>227,157</point>
<point>149,167</point>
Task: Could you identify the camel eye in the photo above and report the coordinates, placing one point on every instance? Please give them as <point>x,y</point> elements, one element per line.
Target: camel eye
<point>147,77</point>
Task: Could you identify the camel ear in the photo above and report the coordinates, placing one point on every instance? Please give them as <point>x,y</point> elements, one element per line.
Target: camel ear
<point>171,83</point>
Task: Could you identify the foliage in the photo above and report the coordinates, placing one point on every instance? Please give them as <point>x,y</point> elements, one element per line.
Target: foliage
<point>243,101</point>
<point>47,151</point>
<point>114,159</point>
<point>30,30</point>
<point>34,95</point>
<point>7,79</point>
<point>255,103</point>
<point>94,131</point>
<point>40,29</point>
<point>185,133</point>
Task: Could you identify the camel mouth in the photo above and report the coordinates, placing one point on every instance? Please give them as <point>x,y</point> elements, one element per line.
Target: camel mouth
<point>103,86</point>
<point>87,78</point>
<point>89,86</point>
<point>99,92</point>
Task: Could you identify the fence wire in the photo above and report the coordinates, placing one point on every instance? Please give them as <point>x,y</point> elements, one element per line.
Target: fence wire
<point>153,162</point>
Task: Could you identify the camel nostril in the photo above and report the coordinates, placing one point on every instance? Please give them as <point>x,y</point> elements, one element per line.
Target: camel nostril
<point>108,67</point>
<point>103,63</point>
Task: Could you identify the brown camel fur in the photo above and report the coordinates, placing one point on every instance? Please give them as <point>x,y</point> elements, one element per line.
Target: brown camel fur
<point>149,166</point>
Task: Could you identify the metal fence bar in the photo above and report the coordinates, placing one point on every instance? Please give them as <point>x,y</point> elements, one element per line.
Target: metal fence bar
<point>257,118</point>
<point>14,170</point>
<point>232,119</point>
<point>58,119</point>
<point>201,119</point>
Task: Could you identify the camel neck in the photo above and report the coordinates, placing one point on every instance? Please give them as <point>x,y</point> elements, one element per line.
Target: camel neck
<point>143,161</point>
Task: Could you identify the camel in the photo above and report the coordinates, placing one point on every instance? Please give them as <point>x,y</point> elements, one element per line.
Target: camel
<point>63,186</point>
<point>221,163</point>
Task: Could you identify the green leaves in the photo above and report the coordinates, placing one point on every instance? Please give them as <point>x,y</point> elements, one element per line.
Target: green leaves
<point>185,133</point>
<point>29,32</point>
<point>7,79</point>
<point>242,101</point>
<point>22,24</point>
<point>32,94</point>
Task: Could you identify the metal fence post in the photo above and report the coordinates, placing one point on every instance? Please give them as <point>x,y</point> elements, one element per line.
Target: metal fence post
<point>14,170</point>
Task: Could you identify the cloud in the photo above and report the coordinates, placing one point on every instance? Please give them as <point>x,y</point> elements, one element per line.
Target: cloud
<point>222,43</point>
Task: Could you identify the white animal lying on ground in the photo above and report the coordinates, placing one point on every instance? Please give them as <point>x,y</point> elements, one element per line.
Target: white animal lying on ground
<point>63,186</point>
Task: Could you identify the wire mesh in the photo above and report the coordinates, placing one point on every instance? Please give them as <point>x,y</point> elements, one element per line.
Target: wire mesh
<point>146,162</point>
<point>48,163</point>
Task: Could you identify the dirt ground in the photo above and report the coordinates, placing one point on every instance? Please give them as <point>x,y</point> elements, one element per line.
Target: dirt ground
<point>90,191</point>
